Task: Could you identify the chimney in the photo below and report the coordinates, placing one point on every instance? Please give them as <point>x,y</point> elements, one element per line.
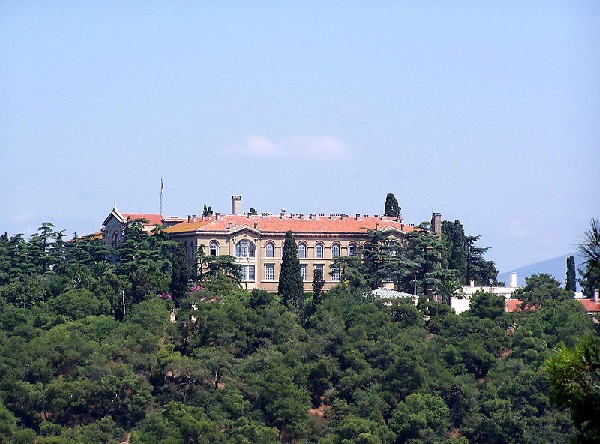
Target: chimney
<point>255,225</point>
<point>282,213</point>
<point>376,227</point>
<point>357,216</point>
<point>313,216</point>
<point>189,218</point>
<point>436,224</point>
<point>596,296</point>
<point>236,204</point>
<point>229,225</point>
<point>218,216</point>
<point>513,280</point>
<point>193,218</point>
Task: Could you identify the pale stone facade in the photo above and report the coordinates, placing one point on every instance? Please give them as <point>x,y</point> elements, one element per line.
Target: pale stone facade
<point>256,240</point>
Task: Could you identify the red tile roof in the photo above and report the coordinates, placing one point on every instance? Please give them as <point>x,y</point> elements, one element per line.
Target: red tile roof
<point>513,305</point>
<point>306,224</point>
<point>590,306</point>
<point>153,218</point>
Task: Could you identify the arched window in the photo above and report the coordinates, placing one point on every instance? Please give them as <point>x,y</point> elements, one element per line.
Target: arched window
<point>214,248</point>
<point>269,249</point>
<point>351,249</point>
<point>393,248</point>
<point>319,250</point>
<point>335,250</point>
<point>245,248</point>
<point>115,239</point>
<point>301,251</point>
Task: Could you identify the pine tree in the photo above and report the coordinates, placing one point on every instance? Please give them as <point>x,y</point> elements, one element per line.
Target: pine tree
<point>290,279</point>
<point>570,283</point>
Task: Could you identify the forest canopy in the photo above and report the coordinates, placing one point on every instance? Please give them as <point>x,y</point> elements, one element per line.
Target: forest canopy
<point>102,345</point>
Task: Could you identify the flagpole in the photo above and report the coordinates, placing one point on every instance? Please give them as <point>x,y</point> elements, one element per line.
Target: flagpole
<point>162,185</point>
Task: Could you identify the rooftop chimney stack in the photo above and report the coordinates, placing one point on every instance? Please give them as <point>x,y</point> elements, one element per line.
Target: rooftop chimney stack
<point>513,280</point>
<point>436,224</point>
<point>236,204</point>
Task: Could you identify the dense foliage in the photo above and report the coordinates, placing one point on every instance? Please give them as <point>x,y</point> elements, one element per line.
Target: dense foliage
<point>462,255</point>
<point>97,350</point>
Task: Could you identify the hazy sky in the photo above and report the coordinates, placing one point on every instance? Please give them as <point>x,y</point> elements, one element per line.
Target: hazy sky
<point>488,112</point>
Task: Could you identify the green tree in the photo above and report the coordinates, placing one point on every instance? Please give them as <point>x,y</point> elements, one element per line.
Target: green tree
<point>540,289</point>
<point>453,238</point>
<point>590,244</point>
<point>318,283</point>
<point>179,274</point>
<point>589,280</point>
<point>352,272</point>
<point>574,376</point>
<point>486,305</point>
<point>570,283</point>
<point>421,417</point>
<point>290,286</point>
<point>462,254</point>
<point>391,206</point>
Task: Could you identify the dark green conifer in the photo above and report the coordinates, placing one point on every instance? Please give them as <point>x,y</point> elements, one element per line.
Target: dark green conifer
<point>391,206</point>
<point>570,283</point>
<point>290,280</point>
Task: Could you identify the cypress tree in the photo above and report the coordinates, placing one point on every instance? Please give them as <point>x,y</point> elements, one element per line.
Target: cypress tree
<point>179,274</point>
<point>290,280</point>
<point>391,206</point>
<point>570,283</point>
<point>318,283</point>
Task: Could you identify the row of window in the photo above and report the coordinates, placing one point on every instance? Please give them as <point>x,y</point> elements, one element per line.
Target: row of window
<point>248,272</point>
<point>246,248</point>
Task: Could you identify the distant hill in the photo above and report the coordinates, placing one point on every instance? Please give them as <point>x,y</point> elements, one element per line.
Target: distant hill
<point>557,267</point>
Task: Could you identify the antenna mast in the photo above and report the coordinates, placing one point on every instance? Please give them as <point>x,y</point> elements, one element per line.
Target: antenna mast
<point>162,186</point>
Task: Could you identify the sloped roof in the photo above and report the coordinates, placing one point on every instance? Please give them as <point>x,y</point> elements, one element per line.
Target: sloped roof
<point>187,227</point>
<point>297,224</point>
<point>513,305</point>
<point>590,306</point>
<point>153,218</point>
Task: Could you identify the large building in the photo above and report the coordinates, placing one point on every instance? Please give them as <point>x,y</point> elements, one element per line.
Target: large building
<point>256,240</point>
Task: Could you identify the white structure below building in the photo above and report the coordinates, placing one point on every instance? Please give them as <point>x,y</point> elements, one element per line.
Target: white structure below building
<point>388,293</point>
<point>461,304</point>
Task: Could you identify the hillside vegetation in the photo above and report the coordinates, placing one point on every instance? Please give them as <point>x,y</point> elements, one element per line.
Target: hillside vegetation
<point>104,346</point>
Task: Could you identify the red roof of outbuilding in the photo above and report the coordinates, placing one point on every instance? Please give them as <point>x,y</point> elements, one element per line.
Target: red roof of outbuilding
<point>590,306</point>
<point>513,305</point>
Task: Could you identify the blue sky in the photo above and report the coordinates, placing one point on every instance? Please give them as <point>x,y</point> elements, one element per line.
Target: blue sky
<point>487,112</point>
